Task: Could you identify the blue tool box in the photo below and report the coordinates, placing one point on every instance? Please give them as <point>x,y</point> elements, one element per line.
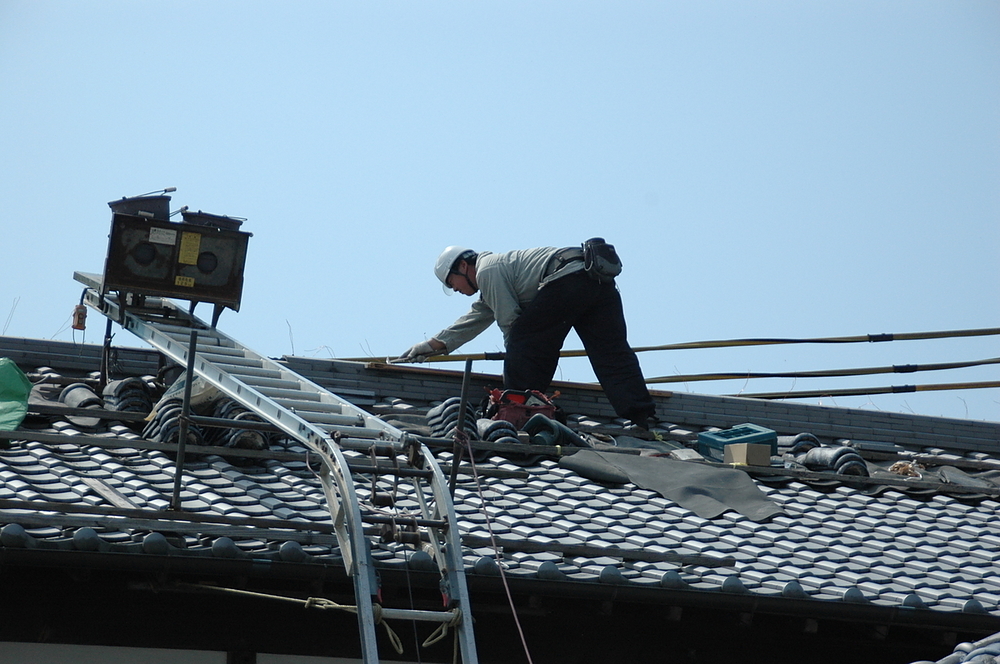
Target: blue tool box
<point>713,444</point>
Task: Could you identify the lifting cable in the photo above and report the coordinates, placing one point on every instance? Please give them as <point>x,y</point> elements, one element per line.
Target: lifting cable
<point>849,392</point>
<point>730,343</point>
<point>832,373</point>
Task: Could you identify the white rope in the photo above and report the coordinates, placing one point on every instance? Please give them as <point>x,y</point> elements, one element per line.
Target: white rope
<point>315,603</point>
<point>442,629</point>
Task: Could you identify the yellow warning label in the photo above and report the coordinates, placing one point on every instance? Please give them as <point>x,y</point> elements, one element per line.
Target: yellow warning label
<point>187,282</point>
<point>189,249</point>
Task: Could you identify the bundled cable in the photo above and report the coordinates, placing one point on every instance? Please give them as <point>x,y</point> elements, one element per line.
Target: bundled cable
<point>760,341</point>
<point>865,391</point>
<point>830,373</point>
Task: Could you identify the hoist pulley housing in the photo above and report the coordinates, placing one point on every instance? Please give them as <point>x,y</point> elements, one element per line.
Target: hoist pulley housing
<point>200,259</point>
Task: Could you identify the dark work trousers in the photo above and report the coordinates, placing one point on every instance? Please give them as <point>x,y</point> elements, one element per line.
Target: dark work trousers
<point>594,310</point>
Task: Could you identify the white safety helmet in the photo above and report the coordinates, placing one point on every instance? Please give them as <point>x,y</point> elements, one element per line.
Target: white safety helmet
<point>446,261</point>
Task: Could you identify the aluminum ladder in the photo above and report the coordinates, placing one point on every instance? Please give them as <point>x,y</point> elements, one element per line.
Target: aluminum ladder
<point>328,425</point>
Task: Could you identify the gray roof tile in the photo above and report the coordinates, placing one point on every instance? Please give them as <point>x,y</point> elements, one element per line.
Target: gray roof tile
<point>839,544</point>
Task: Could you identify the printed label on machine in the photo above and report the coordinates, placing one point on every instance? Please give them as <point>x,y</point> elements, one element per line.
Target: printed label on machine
<point>162,236</point>
<point>190,248</point>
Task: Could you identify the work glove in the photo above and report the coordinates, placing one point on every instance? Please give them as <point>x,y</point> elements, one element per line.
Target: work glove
<point>419,352</point>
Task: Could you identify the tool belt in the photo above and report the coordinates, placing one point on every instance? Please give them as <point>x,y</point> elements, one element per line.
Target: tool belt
<point>561,258</point>
<point>600,260</point>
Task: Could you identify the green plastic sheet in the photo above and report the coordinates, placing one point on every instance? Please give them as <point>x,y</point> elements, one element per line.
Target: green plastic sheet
<point>14,390</point>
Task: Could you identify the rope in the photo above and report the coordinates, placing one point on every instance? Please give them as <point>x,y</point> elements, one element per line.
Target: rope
<point>397,643</point>
<point>832,373</point>
<point>442,629</point>
<point>312,603</point>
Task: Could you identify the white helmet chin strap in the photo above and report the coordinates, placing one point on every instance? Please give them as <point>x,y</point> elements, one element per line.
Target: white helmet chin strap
<point>448,290</point>
<point>474,287</point>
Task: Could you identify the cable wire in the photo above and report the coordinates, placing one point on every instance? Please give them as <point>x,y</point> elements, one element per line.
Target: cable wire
<point>831,373</point>
<point>730,343</point>
<point>857,392</point>
<point>867,338</point>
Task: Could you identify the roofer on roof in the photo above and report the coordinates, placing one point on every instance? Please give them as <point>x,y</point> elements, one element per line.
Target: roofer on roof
<point>536,296</point>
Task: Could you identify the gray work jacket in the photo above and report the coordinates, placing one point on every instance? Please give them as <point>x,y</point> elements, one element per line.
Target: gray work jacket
<point>507,283</point>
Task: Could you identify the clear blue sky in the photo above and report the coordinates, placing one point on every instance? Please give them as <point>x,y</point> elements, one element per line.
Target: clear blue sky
<point>766,169</point>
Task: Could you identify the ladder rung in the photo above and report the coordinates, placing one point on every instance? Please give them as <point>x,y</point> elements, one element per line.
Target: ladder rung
<point>387,469</point>
<point>331,418</point>
<point>217,351</point>
<point>244,372</point>
<point>296,395</point>
<point>227,361</point>
<point>303,407</point>
<point>405,521</point>
<point>417,614</point>
<point>206,337</point>
<point>280,383</point>
<point>355,432</point>
<point>365,445</point>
